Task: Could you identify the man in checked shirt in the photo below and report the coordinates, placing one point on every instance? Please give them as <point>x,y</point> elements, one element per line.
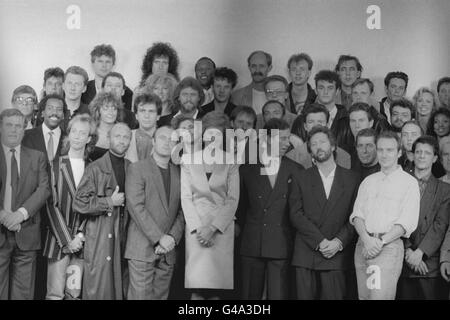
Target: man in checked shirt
<point>386,209</point>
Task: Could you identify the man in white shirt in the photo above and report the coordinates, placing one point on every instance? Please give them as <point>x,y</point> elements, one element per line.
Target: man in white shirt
<point>386,208</point>
<point>253,95</point>
<point>24,188</point>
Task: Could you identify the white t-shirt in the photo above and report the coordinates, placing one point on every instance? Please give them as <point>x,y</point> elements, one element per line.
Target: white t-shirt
<point>258,100</point>
<point>77,169</point>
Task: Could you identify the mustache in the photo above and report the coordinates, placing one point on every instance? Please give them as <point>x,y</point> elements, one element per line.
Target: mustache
<point>55,115</point>
<point>257,74</point>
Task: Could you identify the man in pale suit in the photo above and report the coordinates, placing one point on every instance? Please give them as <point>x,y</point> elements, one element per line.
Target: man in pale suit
<point>24,190</point>
<point>157,223</point>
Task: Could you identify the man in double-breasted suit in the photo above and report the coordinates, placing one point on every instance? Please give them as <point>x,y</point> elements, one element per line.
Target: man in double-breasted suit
<point>420,277</point>
<point>157,223</point>
<point>320,202</point>
<point>267,237</point>
<point>24,190</point>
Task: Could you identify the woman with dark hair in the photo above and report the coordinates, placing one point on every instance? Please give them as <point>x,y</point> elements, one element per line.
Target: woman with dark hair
<point>209,198</point>
<point>161,58</point>
<point>106,110</point>
<point>439,123</point>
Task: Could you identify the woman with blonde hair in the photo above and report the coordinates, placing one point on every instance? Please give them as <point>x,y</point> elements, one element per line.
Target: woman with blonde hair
<point>425,102</point>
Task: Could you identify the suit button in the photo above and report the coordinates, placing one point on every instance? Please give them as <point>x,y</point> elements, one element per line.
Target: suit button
<point>259,197</point>
<point>265,225</point>
<point>108,258</point>
<point>265,210</point>
<point>109,214</point>
<point>110,235</point>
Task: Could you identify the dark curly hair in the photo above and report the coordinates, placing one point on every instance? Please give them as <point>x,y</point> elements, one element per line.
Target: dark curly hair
<point>156,50</point>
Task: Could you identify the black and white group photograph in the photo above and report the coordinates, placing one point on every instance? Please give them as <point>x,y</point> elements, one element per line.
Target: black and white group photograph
<point>234,150</point>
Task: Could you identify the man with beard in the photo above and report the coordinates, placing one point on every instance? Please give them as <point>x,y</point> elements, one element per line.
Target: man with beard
<point>300,92</point>
<point>189,96</point>
<point>204,71</point>
<point>253,95</point>
<point>224,81</point>
<point>46,138</point>
<point>401,111</point>
<point>321,202</point>
<point>349,69</point>
<point>367,152</point>
<point>100,199</point>
<point>420,278</point>
<point>395,84</point>
<point>386,209</point>
<point>266,239</point>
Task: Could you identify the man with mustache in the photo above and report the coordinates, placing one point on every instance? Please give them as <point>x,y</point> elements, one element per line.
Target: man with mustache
<point>349,69</point>
<point>204,71</point>
<point>47,138</point>
<point>401,112</point>
<point>188,97</point>
<point>100,198</point>
<point>321,202</point>
<point>253,95</point>
<point>395,84</point>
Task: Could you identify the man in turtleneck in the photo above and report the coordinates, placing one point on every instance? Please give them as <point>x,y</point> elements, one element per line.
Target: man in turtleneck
<point>367,153</point>
<point>100,196</point>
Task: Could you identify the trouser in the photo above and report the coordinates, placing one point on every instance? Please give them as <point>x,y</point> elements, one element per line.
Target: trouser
<point>17,270</point>
<point>320,284</point>
<point>149,280</point>
<point>377,278</point>
<point>56,278</point>
<point>422,289</point>
<point>256,272</point>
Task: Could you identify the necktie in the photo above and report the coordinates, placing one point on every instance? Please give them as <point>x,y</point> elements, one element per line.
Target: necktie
<point>50,146</point>
<point>14,178</point>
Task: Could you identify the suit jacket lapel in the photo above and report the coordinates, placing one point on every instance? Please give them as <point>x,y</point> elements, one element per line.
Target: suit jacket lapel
<point>174,187</point>
<point>25,162</point>
<point>280,178</point>
<point>159,183</point>
<point>2,174</point>
<point>427,199</point>
<point>318,188</point>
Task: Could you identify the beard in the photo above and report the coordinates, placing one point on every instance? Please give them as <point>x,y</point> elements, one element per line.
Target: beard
<point>323,156</point>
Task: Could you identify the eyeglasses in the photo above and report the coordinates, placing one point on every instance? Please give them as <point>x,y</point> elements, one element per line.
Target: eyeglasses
<point>28,101</point>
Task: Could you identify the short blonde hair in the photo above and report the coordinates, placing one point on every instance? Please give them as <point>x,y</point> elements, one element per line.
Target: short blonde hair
<point>420,92</point>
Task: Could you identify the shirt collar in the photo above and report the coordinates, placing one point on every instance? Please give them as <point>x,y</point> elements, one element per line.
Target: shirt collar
<point>46,130</point>
<point>194,116</point>
<point>332,173</point>
<point>6,150</point>
<point>393,174</point>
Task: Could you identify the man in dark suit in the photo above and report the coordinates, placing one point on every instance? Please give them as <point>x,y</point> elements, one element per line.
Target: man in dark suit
<point>47,138</point>
<point>267,238</point>
<point>157,223</point>
<point>395,85</point>
<point>103,59</point>
<point>224,81</point>
<point>320,202</point>
<point>420,278</point>
<point>24,190</point>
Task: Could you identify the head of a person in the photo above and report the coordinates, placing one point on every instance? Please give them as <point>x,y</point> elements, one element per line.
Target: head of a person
<point>362,90</point>
<point>360,117</point>
<point>366,147</point>
<point>443,90</point>
<point>214,124</point>
<point>162,141</point>
<point>204,71</point>
<point>275,87</point>
<point>280,131</point>
<point>243,117</point>
<point>119,138</point>
<point>299,67</point>
<point>148,110</point>
<point>114,82</point>
<point>81,134</point>
<point>439,123</point>
<point>259,64</point>
<point>161,58</point>
<point>189,95</point>
<point>327,84</point>
<point>426,152</point>
<point>425,102</point>
<point>75,82</point>
<point>224,81</point>
<point>184,123</point>
<point>315,115</point>
<point>395,85</point>
<point>349,69</point>
<point>103,59</point>
<point>12,127</point>
<point>388,149</point>
<point>321,144</point>
<point>53,81</point>
<point>402,110</point>
<point>273,109</point>
<point>163,85</point>
<point>106,107</point>
<point>445,155</point>
<point>24,98</point>
<point>52,109</point>
<point>411,130</point>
